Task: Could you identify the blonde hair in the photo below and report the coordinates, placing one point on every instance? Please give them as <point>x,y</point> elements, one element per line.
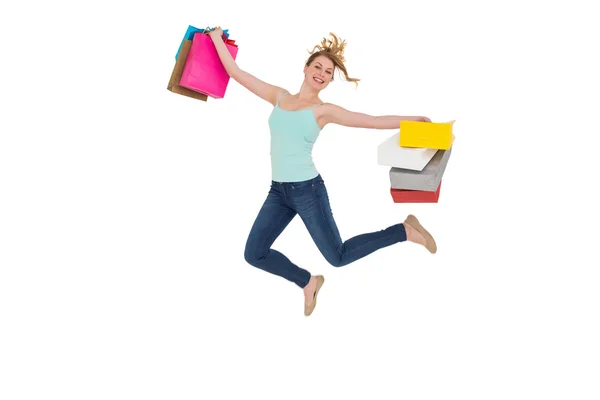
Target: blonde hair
<point>333,49</point>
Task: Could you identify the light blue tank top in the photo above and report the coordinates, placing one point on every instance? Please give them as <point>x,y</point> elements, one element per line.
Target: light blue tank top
<point>293,134</point>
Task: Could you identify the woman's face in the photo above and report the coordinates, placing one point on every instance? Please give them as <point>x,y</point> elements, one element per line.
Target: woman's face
<point>319,73</point>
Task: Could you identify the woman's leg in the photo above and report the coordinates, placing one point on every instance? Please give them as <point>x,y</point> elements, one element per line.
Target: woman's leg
<point>312,204</point>
<point>272,219</point>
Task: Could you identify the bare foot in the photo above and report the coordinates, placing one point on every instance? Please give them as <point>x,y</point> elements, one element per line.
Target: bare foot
<point>413,235</point>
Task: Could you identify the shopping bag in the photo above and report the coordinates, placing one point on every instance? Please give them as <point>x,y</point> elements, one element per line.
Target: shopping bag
<point>173,85</point>
<point>204,72</point>
<point>189,35</point>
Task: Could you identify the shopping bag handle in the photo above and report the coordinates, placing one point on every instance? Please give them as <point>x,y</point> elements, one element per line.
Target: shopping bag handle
<point>208,28</point>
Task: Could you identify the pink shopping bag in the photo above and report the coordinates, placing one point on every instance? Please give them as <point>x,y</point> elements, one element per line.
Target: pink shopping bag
<point>204,72</point>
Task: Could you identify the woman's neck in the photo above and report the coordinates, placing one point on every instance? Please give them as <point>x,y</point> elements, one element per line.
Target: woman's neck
<point>307,94</point>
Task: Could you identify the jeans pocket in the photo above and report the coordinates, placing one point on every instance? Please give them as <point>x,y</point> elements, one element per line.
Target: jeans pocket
<point>301,186</point>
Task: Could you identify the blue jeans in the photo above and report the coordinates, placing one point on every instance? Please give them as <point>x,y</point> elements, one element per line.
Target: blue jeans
<point>309,199</point>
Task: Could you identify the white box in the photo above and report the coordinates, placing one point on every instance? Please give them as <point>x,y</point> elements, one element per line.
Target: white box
<point>391,154</point>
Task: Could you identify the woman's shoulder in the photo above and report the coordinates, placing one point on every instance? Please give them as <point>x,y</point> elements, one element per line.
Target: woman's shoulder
<point>323,112</point>
<point>325,108</point>
<point>280,93</point>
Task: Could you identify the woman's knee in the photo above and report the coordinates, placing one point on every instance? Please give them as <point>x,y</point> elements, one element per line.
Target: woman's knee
<point>252,254</point>
<point>335,260</point>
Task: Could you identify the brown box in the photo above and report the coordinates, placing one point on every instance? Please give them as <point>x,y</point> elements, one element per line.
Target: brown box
<point>178,70</point>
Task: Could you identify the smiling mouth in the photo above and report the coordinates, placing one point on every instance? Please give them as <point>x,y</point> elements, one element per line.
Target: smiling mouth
<point>319,81</point>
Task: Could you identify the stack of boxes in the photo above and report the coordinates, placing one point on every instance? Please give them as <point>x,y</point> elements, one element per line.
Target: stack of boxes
<point>418,155</point>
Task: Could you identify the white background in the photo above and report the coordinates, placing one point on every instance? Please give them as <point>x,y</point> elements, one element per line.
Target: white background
<point>124,208</point>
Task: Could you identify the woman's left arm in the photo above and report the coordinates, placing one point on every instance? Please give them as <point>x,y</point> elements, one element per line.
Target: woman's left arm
<point>338,115</point>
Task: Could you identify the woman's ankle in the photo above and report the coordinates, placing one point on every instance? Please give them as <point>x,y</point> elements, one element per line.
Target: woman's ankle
<point>413,235</point>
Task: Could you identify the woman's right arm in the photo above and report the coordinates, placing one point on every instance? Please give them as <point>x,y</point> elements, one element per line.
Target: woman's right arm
<point>262,89</point>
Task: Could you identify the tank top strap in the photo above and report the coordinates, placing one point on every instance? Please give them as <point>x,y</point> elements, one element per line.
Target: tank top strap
<point>281,97</point>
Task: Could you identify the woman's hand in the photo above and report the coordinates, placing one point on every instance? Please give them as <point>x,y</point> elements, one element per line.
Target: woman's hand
<point>422,119</point>
<point>216,33</point>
